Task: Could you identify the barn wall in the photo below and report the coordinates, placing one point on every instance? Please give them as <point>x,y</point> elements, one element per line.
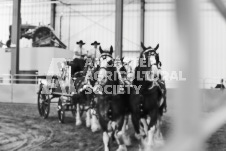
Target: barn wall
<point>87,23</point>
<point>33,12</point>
<point>96,21</point>
<point>160,28</point>
<point>213,46</point>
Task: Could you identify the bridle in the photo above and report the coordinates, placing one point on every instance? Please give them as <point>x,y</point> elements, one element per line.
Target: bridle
<point>105,55</point>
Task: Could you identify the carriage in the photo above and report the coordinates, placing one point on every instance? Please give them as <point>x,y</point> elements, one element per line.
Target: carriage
<point>57,85</point>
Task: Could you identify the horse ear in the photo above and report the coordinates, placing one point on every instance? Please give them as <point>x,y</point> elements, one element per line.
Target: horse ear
<point>101,51</point>
<point>157,47</point>
<point>111,50</point>
<point>122,59</point>
<point>142,45</point>
<point>160,63</point>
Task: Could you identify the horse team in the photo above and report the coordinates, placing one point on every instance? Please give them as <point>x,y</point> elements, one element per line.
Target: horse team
<point>110,97</point>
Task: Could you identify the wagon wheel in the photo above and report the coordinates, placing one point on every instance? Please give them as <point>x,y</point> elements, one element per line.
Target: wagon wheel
<point>43,105</point>
<point>39,104</point>
<point>61,111</point>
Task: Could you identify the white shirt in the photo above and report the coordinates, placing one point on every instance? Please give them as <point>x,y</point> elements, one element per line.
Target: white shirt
<point>78,51</point>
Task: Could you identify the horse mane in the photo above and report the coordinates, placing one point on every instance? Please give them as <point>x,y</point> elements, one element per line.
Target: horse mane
<point>123,71</point>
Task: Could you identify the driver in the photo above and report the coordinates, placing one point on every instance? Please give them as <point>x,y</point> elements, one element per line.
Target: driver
<point>78,51</point>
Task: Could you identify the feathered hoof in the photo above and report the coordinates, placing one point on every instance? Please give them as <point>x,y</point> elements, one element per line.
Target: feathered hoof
<point>127,140</point>
<point>137,136</point>
<point>122,148</point>
<point>88,125</point>
<point>95,129</point>
<point>78,123</point>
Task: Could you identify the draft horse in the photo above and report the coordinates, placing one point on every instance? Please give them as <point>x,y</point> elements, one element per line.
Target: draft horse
<point>146,104</point>
<point>111,106</point>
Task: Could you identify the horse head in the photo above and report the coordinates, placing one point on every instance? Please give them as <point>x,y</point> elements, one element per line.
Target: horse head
<point>106,58</point>
<point>145,105</point>
<point>151,60</point>
<point>111,106</point>
<point>106,63</point>
<point>150,54</point>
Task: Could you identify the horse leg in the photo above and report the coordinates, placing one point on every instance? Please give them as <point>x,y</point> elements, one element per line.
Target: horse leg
<point>145,125</point>
<point>159,141</point>
<point>152,129</point>
<point>150,138</point>
<point>106,140</point>
<point>136,125</point>
<point>78,117</point>
<point>125,135</point>
<point>88,122</point>
<point>95,125</point>
<point>144,129</point>
<point>158,131</point>
<point>126,122</point>
<point>120,136</point>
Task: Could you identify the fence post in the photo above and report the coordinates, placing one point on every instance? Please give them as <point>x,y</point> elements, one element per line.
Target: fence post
<point>12,80</point>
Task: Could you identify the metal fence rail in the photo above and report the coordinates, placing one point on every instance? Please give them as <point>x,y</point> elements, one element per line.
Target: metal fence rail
<point>18,78</point>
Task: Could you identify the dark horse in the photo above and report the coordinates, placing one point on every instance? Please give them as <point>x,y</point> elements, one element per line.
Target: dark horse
<point>80,67</point>
<point>111,106</point>
<point>145,104</point>
<point>85,95</point>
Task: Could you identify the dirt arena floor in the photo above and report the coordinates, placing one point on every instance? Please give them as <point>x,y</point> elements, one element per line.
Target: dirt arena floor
<point>21,128</point>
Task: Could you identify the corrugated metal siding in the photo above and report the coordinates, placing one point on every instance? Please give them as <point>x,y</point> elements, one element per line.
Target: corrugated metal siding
<point>91,21</point>
<point>6,20</point>
<point>36,13</point>
<point>160,29</point>
<point>32,12</point>
<point>87,23</point>
<point>213,45</point>
<point>131,26</point>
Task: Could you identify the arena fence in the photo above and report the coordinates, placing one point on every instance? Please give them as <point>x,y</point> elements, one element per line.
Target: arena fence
<point>24,90</point>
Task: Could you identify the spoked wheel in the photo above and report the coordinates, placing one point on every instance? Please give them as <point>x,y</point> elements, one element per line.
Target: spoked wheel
<point>61,111</point>
<point>43,105</point>
<point>39,104</point>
